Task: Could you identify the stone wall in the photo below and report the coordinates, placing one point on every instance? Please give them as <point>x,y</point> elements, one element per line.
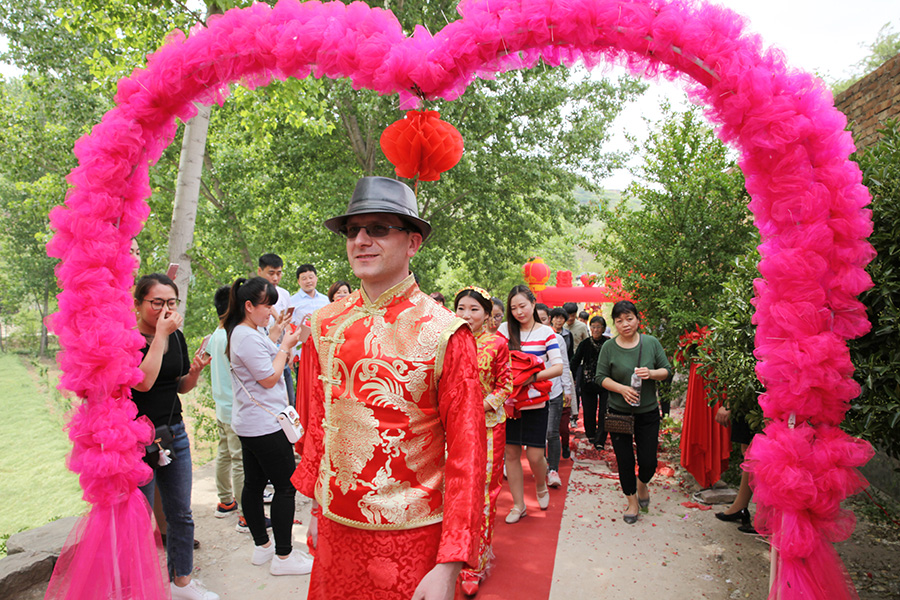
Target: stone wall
<point>868,103</point>
<point>26,571</point>
<point>871,101</point>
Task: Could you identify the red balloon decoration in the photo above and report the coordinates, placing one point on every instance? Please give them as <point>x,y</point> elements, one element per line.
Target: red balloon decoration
<point>536,274</point>
<point>421,146</point>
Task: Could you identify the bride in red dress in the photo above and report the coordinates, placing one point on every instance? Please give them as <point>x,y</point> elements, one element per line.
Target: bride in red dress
<point>474,306</point>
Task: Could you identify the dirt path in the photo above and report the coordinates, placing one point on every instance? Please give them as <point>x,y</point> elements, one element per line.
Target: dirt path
<point>672,552</point>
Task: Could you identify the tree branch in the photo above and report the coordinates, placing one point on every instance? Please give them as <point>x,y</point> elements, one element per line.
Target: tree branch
<point>196,16</point>
<point>442,207</point>
<point>351,126</point>
<point>219,201</point>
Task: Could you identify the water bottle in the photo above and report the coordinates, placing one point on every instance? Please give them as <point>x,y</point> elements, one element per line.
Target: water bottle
<point>636,384</point>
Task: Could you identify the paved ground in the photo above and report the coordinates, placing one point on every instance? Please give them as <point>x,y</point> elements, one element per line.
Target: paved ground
<point>672,553</point>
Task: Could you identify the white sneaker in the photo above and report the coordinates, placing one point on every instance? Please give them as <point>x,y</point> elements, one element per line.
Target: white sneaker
<point>192,591</point>
<point>262,555</point>
<point>553,479</point>
<point>295,563</point>
<point>268,494</point>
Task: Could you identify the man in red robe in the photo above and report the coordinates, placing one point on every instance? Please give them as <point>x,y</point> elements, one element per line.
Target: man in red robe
<point>394,451</point>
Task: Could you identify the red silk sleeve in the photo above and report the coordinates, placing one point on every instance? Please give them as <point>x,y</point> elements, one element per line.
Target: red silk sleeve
<point>502,376</point>
<point>311,408</point>
<point>462,413</point>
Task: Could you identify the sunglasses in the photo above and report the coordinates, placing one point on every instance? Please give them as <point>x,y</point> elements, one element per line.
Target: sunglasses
<point>373,230</point>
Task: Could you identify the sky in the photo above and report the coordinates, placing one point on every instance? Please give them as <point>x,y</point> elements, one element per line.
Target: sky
<point>825,37</point>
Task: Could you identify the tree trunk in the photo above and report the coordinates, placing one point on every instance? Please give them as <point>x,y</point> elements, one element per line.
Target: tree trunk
<point>45,310</point>
<point>187,193</point>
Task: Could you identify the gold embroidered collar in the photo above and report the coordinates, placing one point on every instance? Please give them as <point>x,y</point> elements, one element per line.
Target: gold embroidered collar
<point>401,289</point>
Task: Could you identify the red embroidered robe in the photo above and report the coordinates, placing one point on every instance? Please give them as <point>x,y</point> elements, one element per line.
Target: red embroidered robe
<point>395,429</point>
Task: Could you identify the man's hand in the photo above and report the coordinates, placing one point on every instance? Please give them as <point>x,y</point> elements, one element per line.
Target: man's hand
<point>312,532</point>
<point>723,416</point>
<point>439,583</point>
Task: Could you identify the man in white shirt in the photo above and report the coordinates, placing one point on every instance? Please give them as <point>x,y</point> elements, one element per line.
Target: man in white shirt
<point>308,299</point>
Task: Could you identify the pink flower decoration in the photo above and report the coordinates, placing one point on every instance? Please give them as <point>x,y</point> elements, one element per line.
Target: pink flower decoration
<point>807,200</point>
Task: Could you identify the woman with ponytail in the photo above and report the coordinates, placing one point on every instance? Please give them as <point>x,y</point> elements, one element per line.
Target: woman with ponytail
<point>257,368</point>
<point>525,333</point>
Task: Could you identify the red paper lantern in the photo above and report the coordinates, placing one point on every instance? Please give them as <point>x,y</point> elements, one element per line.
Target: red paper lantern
<point>421,146</point>
<point>536,274</point>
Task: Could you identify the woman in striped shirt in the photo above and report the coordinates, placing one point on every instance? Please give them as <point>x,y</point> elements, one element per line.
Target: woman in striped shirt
<point>524,332</point>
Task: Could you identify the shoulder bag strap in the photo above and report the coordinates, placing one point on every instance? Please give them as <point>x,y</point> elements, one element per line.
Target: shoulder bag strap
<point>640,349</point>
<point>249,395</point>
<point>177,379</point>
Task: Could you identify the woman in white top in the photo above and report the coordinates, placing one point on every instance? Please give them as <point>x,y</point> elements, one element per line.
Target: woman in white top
<point>525,333</point>
<point>257,367</point>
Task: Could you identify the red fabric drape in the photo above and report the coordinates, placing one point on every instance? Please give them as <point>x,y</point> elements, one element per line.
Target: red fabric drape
<point>307,373</point>
<point>705,445</point>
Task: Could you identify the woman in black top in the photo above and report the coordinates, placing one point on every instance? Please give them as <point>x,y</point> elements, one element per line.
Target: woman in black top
<point>593,397</point>
<point>167,372</point>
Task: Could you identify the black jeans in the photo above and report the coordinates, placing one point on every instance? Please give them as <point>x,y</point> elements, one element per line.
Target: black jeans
<point>269,458</point>
<point>593,400</point>
<point>646,439</point>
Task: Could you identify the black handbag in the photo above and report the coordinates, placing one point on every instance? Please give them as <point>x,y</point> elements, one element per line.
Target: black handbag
<point>163,441</point>
<point>161,451</point>
<point>623,424</point>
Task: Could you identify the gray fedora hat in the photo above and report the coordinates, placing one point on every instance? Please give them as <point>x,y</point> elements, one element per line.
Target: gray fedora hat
<point>381,195</point>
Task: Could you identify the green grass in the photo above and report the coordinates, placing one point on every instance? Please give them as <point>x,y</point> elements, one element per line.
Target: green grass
<point>35,485</point>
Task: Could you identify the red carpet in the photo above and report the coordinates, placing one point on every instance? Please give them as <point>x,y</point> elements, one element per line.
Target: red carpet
<point>525,552</point>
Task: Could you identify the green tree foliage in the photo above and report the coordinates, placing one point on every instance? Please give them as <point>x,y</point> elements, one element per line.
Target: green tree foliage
<point>728,350</point>
<point>676,250</point>
<point>875,415</point>
<point>885,46</point>
<point>281,159</point>
<point>41,119</point>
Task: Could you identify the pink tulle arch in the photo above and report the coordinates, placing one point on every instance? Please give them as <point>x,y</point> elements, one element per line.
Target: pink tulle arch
<point>807,200</point>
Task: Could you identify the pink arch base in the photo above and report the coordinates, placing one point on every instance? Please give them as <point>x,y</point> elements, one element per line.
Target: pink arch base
<point>808,203</point>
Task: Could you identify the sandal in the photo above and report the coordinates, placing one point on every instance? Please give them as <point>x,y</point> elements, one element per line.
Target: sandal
<point>543,499</point>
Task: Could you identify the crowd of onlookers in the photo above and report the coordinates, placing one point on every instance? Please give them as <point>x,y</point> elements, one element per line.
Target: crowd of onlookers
<point>546,366</point>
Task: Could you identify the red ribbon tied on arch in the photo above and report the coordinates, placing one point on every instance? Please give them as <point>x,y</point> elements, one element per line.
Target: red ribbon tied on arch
<point>421,146</point>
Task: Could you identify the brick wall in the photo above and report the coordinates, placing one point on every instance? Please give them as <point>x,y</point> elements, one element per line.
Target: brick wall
<point>871,101</point>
